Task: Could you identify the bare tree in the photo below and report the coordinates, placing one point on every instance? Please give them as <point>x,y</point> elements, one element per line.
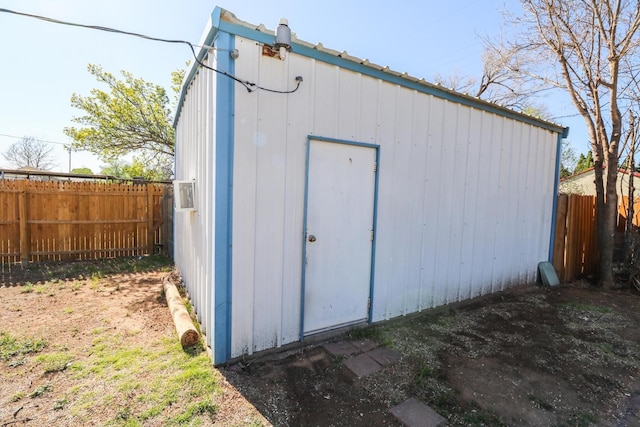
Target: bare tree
<point>30,152</point>
<point>582,47</point>
<point>498,83</point>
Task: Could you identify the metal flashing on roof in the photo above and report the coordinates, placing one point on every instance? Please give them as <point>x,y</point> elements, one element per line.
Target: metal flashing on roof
<point>223,20</point>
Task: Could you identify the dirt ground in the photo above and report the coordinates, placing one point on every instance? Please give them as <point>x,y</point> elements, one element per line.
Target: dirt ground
<point>529,356</point>
<point>83,302</point>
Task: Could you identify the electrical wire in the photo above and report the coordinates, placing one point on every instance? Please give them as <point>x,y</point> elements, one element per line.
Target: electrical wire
<point>251,87</point>
<point>37,139</point>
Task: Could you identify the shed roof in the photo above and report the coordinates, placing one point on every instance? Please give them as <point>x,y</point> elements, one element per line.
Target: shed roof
<point>223,20</point>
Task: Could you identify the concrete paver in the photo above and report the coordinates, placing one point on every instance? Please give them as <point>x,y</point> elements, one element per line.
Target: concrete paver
<point>365,345</point>
<point>414,413</point>
<point>341,348</point>
<point>384,356</point>
<point>362,365</point>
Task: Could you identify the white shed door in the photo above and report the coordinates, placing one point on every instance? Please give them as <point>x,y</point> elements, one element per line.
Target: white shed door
<point>340,203</point>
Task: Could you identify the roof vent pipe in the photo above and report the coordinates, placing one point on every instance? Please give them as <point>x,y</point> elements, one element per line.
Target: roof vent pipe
<point>283,38</point>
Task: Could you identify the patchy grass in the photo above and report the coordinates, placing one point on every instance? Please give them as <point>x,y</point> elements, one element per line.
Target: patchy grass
<point>374,333</point>
<point>17,396</point>
<point>588,308</point>
<point>159,376</point>
<point>54,362</point>
<point>12,347</point>
<point>27,288</point>
<point>424,374</point>
<point>583,419</point>
<point>41,391</point>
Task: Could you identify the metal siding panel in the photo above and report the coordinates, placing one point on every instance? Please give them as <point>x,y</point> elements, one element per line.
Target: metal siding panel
<point>444,205</point>
<point>457,195</point>
<point>516,195</point>
<point>405,240</point>
<point>194,231</point>
<point>368,110</point>
<point>294,203</point>
<point>244,202</point>
<point>488,195</point>
<point>535,213</point>
<point>270,183</point>
<point>325,87</point>
<point>384,246</point>
<point>415,214</point>
<point>270,171</point>
<point>470,285</point>
<point>434,171</point>
<point>492,203</point>
<point>505,210</point>
<point>348,103</point>
<point>545,177</point>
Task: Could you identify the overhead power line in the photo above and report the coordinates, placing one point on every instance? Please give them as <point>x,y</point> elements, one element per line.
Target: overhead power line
<point>251,87</point>
<point>38,139</point>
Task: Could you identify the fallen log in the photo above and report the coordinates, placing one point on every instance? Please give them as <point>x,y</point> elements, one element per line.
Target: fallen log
<point>184,325</point>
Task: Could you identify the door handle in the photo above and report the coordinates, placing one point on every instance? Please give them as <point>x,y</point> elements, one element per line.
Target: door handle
<point>312,238</point>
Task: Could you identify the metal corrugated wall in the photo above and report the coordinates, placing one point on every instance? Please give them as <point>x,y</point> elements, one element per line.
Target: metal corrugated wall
<point>464,204</point>
<point>195,159</point>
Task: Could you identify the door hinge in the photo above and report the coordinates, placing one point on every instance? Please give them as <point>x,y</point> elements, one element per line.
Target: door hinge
<point>375,167</point>
<point>372,235</point>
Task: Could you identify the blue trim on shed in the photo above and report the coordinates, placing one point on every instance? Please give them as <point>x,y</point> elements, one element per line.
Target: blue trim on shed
<point>223,205</point>
<point>556,186</point>
<point>411,83</point>
<point>375,234</point>
<point>303,280</point>
<point>217,24</point>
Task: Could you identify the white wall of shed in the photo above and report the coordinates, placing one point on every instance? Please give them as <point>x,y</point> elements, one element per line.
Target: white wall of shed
<point>194,231</point>
<point>464,205</point>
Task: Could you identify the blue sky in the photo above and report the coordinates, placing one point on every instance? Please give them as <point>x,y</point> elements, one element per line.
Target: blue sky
<point>43,64</point>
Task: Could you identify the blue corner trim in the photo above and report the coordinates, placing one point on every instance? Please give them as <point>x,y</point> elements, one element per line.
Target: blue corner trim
<point>375,235</point>
<point>224,140</point>
<point>556,187</point>
<point>311,138</point>
<point>303,281</point>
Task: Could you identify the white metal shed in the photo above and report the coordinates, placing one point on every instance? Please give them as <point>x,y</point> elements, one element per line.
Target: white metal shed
<point>363,195</point>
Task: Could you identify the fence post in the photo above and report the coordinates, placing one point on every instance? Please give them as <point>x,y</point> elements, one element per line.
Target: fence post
<point>24,224</point>
<point>150,211</point>
<point>559,250</point>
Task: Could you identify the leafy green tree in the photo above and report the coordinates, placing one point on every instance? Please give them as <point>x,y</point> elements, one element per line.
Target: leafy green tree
<point>567,159</point>
<point>584,162</point>
<point>135,169</point>
<point>82,171</point>
<point>132,117</point>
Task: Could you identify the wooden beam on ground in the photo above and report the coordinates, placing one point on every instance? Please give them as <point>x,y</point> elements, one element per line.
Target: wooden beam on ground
<point>184,325</point>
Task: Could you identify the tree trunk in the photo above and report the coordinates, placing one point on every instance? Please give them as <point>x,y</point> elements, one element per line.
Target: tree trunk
<point>607,224</point>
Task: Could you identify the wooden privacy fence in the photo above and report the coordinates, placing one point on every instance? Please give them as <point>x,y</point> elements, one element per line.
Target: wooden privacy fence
<point>575,251</point>
<point>56,220</point>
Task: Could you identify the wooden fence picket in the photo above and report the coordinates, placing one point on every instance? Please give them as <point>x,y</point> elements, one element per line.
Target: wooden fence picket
<point>56,220</point>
